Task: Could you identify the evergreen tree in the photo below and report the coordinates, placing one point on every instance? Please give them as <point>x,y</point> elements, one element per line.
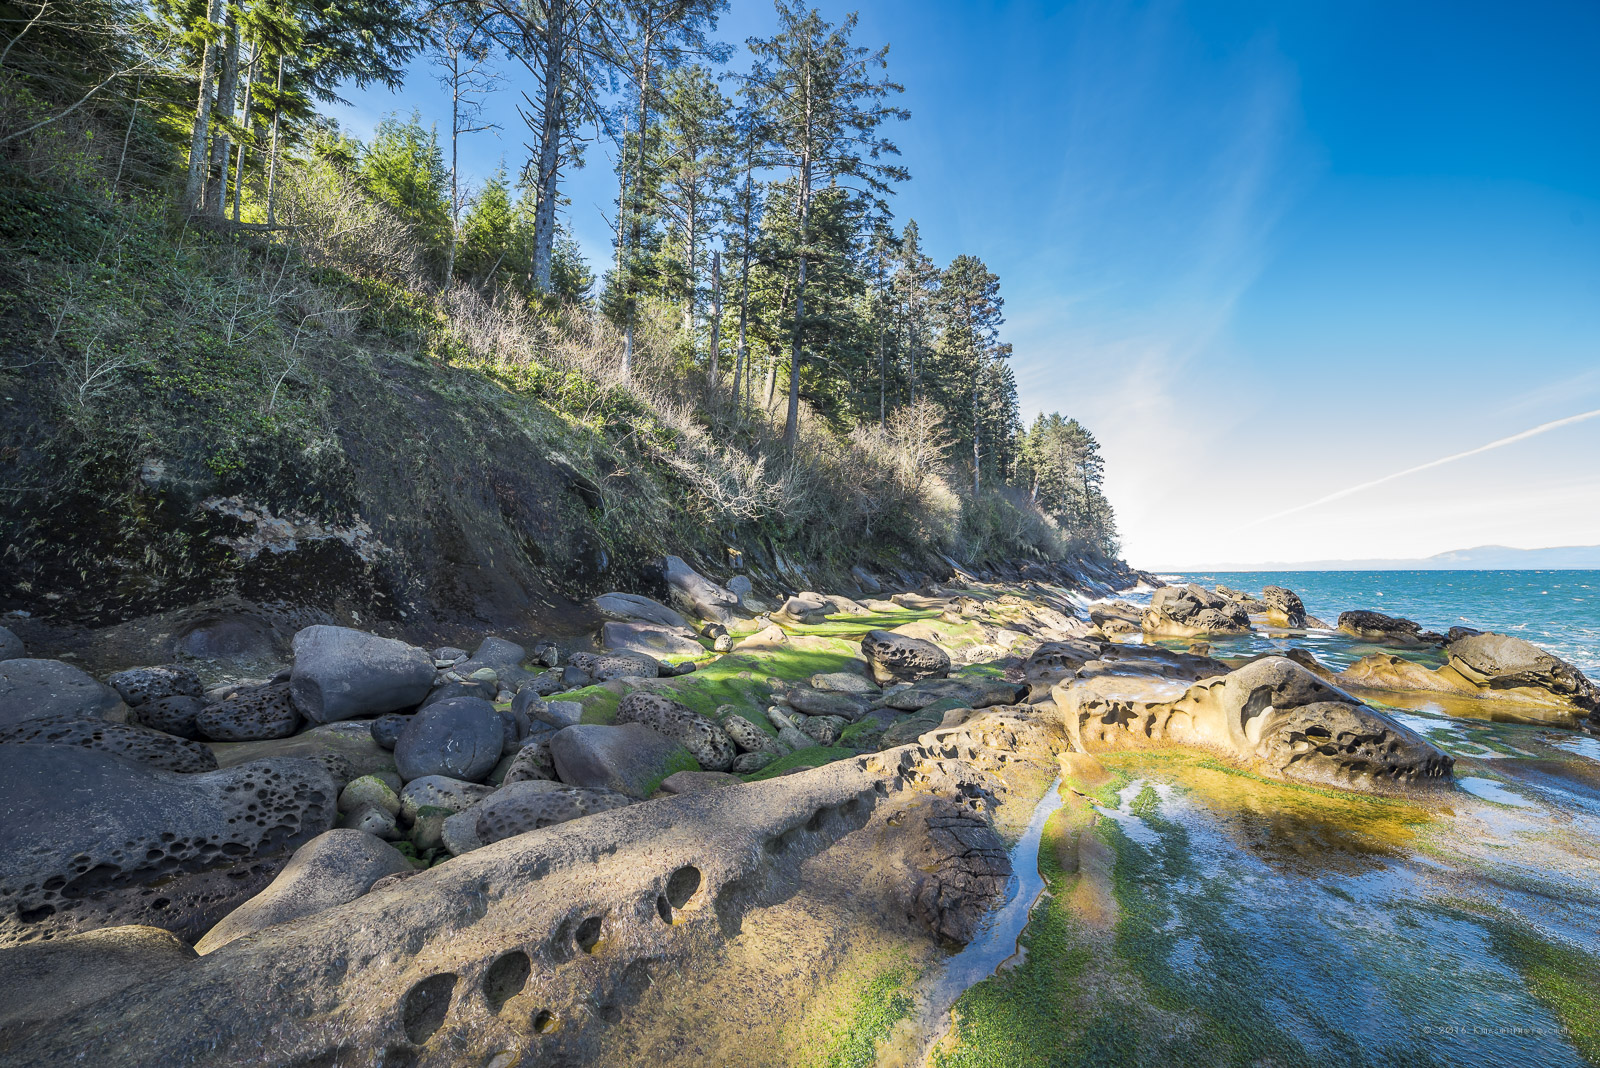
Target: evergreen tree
<point>969,307</point>
<point>404,169</point>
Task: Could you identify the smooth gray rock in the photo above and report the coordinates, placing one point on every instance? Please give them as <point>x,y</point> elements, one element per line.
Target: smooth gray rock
<point>705,598</point>
<point>464,688</point>
<point>10,646</point>
<point>504,658</point>
<point>462,739</point>
<point>440,791</point>
<point>845,682</point>
<point>124,740</point>
<point>374,820</point>
<point>698,782</point>
<point>828,703</point>
<point>459,833</point>
<point>647,638</point>
<point>1501,662</point>
<point>40,980</point>
<point>628,606</point>
<point>710,746</point>
<point>553,714</point>
<point>36,689</point>
<point>340,673</point>
<point>631,758</point>
<point>751,762</point>
<point>517,727</point>
<point>334,867</point>
<point>254,715</point>
<point>138,685</point>
<point>974,693</point>
<point>368,790</point>
<point>99,825</point>
<point>526,806</point>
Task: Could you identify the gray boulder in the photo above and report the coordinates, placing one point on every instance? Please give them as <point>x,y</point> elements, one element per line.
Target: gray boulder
<point>37,689</point>
<point>631,758</point>
<point>138,685</point>
<point>1191,611</point>
<point>141,744</point>
<point>805,608</point>
<point>973,693</point>
<point>533,761</point>
<point>461,739</point>
<point>504,658</point>
<point>828,703</point>
<point>334,867</point>
<point>10,646</point>
<point>648,638</point>
<point>705,598</point>
<point>253,715</point>
<point>439,791</point>
<point>603,667</point>
<point>844,682</point>
<point>171,715</point>
<point>1377,627</point>
<point>698,782</point>
<point>901,658</point>
<point>101,829</point>
<point>825,730</point>
<point>710,746</point>
<point>386,729</point>
<point>341,673</point>
<point>751,762</point>
<point>747,736</point>
<point>531,804</point>
<point>462,688</point>
<point>626,606</point>
<point>553,714</point>
<point>517,727</point>
<point>368,791</point>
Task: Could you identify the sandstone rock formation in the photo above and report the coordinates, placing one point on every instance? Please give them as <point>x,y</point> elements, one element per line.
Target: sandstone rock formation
<point>1392,630</point>
<point>1191,612</point>
<point>901,658</point>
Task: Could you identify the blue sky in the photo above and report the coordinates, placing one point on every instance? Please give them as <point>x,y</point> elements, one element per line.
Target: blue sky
<point>1264,251</point>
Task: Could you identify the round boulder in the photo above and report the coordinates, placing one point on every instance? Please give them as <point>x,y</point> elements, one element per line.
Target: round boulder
<point>901,658</point>
<point>527,806</point>
<point>253,715</point>
<point>461,738</point>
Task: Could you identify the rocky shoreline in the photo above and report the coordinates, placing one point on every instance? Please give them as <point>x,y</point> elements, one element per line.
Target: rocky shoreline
<point>541,854</point>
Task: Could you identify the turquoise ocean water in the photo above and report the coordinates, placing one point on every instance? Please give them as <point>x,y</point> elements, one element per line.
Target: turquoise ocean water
<point>1557,610</point>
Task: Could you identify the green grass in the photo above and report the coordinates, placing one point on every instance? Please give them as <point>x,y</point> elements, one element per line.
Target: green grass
<point>882,1003</point>
<point>813,757</point>
<point>857,626</point>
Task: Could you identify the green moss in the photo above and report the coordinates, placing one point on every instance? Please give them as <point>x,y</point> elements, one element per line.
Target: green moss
<point>1560,976</point>
<point>599,703</point>
<point>858,626</point>
<point>880,1004</point>
<point>680,760</point>
<point>812,757</point>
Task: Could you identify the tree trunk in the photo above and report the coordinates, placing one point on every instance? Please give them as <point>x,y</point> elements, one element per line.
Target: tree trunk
<point>455,180</point>
<point>222,144</point>
<point>883,384</point>
<point>550,127</point>
<point>194,185</point>
<point>976,452</point>
<point>127,136</point>
<point>690,236</point>
<point>791,423</point>
<point>716,318</point>
<point>272,164</point>
<point>627,344</point>
<point>244,125</point>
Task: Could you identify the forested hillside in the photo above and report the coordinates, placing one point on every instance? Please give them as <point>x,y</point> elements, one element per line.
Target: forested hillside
<point>243,351</point>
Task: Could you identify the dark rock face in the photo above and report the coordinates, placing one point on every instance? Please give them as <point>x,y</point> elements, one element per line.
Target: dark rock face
<point>707,742</point>
<point>1375,626</point>
<point>1501,662</point>
<point>528,805</point>
<point>141,744</point>
<point>32,689</point>
<point>172,715</point>
<point>899,658</point>
<point>1284,607</point>
<point>334,867</point>
<point>461,739</point>
<point>630,759</point>
<point>138,685</point>
<point>340,673</point>
<point>101,825</point>
<point>10,645</point>
<point>252,715</point>
<point>386,729</point>
<point>698,593</point>
<point>966,869</point>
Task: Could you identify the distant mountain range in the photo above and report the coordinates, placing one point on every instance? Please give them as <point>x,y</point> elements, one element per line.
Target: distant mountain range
<point>1482,558</point>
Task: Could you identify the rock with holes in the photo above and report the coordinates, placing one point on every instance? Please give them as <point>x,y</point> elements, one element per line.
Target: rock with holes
<point>531,804</point>
<point>1507,666</point>
<point>346,749</point>
<point>253,715</point>
<point>972,693</point>
<point>700,595</point>
<point>746,763</point>
<point>1192,612</point>
<point>532,761</point>
<point>334,867</point>
<point>140,744</point>
<point>1272,713</point>
<point>825,730</point>
<point>386,729</point>
<point>439,791</point>
<point>102,828</point>
<point>1284,607</point>
<point>462,739</point>
<point>813,702</point>
<point>603,667</point>
<point>1377,627</point>
<point>902,658</point>
<point>341,673</point>
<point>746,735</point>
<point>171,715</point>
<point>845,682</point>
<point>11,647</point>
<point>138,685</point>
<point>628,758</point>
<point>40,689</point>
<point>712,749</point>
